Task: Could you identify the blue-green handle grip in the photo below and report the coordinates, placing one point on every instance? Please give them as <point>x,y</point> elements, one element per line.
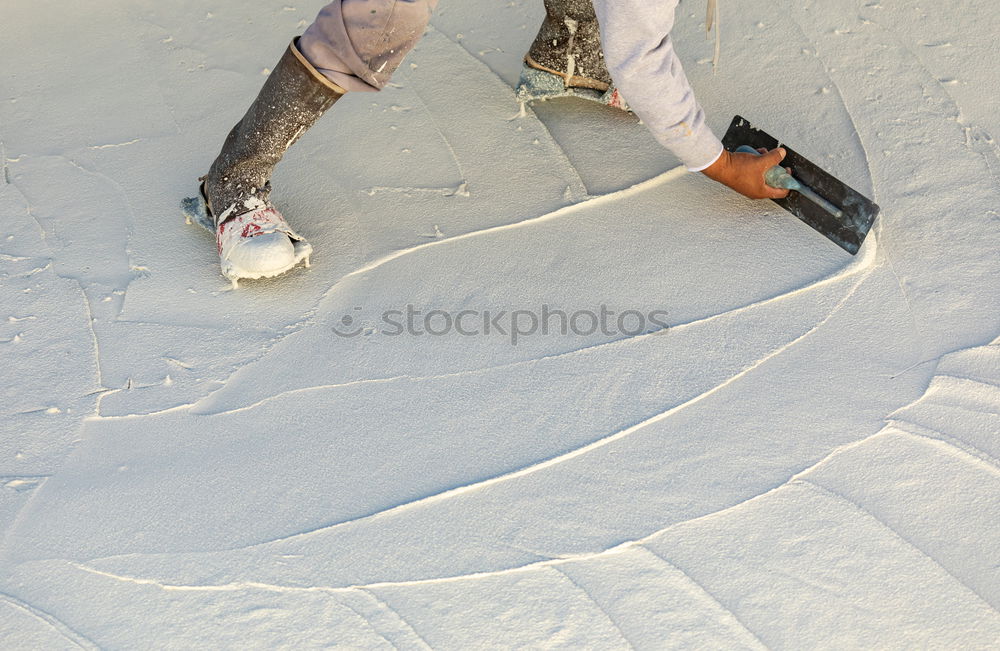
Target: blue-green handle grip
<point>778,177</point>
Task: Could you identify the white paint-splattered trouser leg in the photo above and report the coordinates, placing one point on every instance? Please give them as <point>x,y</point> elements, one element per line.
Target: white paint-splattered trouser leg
<point>358,44</point>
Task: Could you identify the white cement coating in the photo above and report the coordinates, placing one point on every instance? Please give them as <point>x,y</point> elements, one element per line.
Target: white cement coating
<point>808,456</point>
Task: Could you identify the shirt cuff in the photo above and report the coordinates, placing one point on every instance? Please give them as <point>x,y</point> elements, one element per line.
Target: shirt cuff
<point>699,168</point>
<point>697,148</point>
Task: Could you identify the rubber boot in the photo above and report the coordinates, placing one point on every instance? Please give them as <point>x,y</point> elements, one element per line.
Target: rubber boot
<point>566,58</point>
<point>254,240</point>
<point>292,99</point>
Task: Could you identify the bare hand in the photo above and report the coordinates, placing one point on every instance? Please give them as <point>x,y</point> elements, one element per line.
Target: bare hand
<point>745,173</point>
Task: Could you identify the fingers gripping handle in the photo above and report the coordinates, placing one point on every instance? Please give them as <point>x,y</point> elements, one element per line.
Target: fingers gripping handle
<point>778,177</point>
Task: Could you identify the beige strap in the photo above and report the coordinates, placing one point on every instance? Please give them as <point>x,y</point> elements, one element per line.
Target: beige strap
<point>326,81</point>
<point>575,80</point>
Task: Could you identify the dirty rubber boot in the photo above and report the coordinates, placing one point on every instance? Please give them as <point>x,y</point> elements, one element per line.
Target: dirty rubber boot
<point>566,59</point>
<point>253,238</point>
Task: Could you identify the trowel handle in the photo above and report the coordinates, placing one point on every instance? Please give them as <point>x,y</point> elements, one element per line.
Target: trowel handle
<point>777,176</point>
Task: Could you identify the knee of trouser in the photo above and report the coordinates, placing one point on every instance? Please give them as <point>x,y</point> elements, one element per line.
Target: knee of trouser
<point>382,32</point>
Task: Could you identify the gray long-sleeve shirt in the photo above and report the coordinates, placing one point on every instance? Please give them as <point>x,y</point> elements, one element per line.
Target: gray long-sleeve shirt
<point>640,56</point>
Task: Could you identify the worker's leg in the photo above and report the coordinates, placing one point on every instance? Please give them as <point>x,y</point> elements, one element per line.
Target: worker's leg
<point>352,45</point>
<point>566,58</point>
<point>358,44</point>
<point>569,44</point>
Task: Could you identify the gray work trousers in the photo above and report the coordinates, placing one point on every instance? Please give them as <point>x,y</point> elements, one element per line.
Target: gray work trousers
<point>358,44</point>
